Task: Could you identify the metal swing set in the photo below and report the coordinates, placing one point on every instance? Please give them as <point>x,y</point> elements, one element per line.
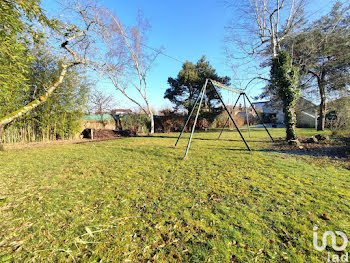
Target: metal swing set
<point>199,102</point>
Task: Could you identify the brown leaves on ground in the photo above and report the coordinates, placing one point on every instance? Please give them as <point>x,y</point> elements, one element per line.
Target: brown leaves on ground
<point>325,217</point>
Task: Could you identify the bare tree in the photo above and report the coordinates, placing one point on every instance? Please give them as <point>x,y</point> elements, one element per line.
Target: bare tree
<point>258,32</point>
<point>101,102</point>
<point>128,61</point>
<point>263,24</point>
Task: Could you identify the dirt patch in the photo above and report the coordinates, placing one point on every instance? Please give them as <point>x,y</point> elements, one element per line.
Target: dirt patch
<point>106,134</point>
<point>112,134</point>
<point>338,148</point>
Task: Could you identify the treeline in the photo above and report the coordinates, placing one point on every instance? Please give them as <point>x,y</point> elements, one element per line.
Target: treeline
<point>43,88</point>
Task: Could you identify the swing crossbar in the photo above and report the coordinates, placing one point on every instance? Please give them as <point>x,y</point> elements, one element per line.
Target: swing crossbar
<point>222,86</point>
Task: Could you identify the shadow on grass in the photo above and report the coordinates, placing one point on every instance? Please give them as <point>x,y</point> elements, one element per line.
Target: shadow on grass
<point>98,140</point>
<point>340,149</point>
<point>204,139</point>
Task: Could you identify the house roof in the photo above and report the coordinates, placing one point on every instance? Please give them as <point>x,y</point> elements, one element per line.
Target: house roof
<point>305,105</point>
<point>98,117</point>
<point>102,117</point>
<point>302,105</point>
<point>121,110</point>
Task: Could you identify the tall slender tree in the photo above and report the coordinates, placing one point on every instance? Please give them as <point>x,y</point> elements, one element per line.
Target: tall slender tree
<point>128,60</point>
<point>284,79</point>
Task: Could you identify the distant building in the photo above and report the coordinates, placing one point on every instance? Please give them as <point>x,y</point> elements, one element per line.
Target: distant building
<point>268,111</point>
<point>121,111</point>
<point>305,110</point>
<point>241,112</point>
<point>105,120</point>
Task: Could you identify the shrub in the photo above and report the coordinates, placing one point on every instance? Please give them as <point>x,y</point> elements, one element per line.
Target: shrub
<point>137,123</point>
<point>169,121</point>
<point>338,118</point>
<point>202,124</point>
<point>174,122</point>
<point>220,120</point>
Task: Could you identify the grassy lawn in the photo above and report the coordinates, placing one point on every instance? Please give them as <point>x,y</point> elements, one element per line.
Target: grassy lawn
<point>136,200</point>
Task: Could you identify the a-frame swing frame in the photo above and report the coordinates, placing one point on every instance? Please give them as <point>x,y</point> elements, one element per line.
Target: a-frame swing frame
<point>199,101</point>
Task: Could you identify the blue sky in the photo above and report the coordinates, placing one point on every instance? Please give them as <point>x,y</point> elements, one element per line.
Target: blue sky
<point>187,30</point>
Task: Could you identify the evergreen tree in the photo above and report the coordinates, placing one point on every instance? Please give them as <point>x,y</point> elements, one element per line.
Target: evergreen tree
<point>322,53</point>
<point>185,89</point>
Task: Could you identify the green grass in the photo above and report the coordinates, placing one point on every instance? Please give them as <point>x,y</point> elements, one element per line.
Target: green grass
<point>136,200</point>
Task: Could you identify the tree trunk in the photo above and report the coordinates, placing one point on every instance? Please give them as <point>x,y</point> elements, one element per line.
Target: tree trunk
<point>284,78</point>
<point>1,145</point>
<point>151,117</point>
<point>274,46</point>
<point>289,121</point>
<point>322,121</point>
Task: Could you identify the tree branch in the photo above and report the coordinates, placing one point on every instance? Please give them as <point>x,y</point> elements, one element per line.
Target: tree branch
<point>35,103</point>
